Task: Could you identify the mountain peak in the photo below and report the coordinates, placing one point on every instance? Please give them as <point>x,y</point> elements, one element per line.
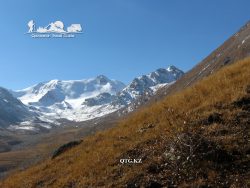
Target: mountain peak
<point>101,76</point>
<point>148,83</point>
<point>2,90</point>
<point>172,68</point>
<point>101,79</point>
<point>54,81</point>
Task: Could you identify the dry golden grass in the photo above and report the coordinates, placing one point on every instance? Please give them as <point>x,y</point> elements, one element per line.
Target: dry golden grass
<point>93,163</point>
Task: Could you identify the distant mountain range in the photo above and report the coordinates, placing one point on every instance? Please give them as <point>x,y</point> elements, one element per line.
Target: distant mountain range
<point>43,105</point>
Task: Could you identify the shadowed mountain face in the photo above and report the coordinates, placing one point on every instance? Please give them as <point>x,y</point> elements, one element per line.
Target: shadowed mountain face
<point>12,110</point>
<point>235,48</point>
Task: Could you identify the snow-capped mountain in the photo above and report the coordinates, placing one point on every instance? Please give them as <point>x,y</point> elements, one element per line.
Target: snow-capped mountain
<point>58,99</point>
<point>72,92</point>
<point>148,84</point>
<point>80,100</point>
<point>12,110</point>
<point>140,86</point>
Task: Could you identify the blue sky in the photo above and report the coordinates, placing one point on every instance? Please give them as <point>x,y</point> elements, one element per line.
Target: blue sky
<point>122,39</point>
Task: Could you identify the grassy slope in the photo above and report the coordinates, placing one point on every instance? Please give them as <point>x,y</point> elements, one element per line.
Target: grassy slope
<point>193,138</point>
<point>36,148</point>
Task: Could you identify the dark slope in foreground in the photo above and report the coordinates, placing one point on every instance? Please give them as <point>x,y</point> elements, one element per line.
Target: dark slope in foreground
<point>198,137</point>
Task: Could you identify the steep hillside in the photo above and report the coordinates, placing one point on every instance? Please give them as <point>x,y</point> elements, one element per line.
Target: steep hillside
<point>197,137</point>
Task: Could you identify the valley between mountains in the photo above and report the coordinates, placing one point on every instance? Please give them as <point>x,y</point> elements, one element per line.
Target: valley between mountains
<point>38,119</point>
